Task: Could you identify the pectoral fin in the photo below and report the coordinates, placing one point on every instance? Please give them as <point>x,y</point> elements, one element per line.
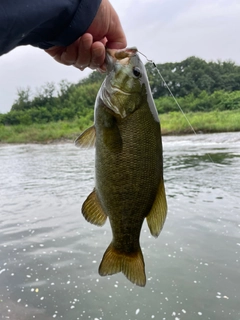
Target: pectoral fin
<point>92,210</point>
<point>87,138</point>
<point>157,215</point>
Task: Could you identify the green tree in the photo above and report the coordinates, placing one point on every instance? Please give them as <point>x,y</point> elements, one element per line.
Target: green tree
<point>44,95</point>
<point>23,100</point>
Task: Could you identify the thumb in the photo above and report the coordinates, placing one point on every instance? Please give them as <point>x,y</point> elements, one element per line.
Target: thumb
<point>116,38</point>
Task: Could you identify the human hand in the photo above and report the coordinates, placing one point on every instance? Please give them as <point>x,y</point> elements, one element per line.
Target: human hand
<point>89,49</point>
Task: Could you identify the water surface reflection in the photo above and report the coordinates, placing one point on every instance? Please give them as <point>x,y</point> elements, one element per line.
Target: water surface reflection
<point>49,255</point>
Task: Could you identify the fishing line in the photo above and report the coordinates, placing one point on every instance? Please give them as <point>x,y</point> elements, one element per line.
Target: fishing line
<point>172,95</point>
<point>166,85</point>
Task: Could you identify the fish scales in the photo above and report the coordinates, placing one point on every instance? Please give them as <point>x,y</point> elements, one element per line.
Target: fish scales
<point>132,176</point>
<point>129,164</point>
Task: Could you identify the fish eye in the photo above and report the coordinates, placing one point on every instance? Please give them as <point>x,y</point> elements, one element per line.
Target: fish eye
<point>136,72</point>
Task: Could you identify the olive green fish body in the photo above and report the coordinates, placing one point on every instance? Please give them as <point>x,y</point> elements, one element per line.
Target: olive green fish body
<point>128,171</point>
<point>129,167</point>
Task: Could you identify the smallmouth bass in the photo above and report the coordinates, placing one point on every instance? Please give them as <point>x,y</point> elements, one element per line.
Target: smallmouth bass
<point>129,185</point>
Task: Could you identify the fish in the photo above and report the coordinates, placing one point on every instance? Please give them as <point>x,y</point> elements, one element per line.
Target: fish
<point>129,183</point>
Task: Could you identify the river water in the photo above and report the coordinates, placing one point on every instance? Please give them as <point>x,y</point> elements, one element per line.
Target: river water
<point>49,255</point>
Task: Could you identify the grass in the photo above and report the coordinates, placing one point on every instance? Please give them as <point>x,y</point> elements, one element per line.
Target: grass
<point>206,122</point>
<point>42,133</point>
<point>172,123</point>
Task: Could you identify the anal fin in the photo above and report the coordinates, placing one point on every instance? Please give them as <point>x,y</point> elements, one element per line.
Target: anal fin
<point>158,213</point>
<point>92,210</point>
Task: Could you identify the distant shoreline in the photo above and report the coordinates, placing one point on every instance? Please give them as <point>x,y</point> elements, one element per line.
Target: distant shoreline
<point>172,123</point>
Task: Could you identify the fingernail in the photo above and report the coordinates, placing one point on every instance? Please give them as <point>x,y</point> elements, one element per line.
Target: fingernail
<point>102,69</point>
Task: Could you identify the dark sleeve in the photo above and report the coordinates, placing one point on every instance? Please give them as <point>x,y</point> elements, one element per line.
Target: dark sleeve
<point>44,23</point>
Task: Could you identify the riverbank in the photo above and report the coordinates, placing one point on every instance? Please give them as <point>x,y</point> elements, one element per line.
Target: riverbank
<point>173,123</point>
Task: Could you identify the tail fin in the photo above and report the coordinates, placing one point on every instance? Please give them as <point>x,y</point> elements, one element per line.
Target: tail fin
<point>131,265</point>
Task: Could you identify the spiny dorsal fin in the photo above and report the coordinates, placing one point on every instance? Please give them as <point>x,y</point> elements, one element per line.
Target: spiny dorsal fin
<point>92,210</point>
<point>87,138</point>
<point>157,215</point>
<point>132,265</point>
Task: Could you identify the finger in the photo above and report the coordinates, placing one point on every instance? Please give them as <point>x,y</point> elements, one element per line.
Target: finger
<point>56,52</point>
<point>98,55</point>
<point>61,55</point>
<point>84,51</point>
<point>69,56</point>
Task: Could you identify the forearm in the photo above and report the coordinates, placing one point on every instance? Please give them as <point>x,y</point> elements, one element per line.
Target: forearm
<point>44,23</point>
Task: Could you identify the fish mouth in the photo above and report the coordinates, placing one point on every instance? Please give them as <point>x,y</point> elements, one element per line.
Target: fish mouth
<point>122,56</point>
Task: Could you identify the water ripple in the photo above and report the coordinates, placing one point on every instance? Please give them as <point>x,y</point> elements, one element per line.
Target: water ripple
<point>49,255</point>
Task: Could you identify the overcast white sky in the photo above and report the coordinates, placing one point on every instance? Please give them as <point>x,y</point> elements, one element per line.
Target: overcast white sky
<point>164,30</point>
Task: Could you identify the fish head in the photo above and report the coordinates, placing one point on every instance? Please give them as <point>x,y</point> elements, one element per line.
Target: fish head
<point>126,84</point>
